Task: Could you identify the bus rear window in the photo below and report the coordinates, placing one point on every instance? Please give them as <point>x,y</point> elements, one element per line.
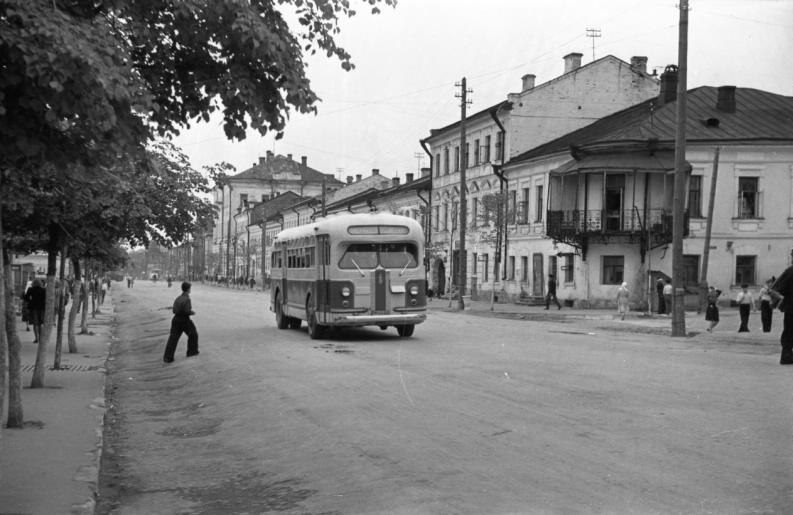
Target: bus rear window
<point>366,256</point>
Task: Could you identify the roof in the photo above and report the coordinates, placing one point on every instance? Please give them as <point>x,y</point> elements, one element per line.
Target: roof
<point>505,103</point>
<point>759,116</point>
<point>278,164</point>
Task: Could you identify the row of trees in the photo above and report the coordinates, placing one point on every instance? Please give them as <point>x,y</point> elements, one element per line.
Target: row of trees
<point>90,93</point>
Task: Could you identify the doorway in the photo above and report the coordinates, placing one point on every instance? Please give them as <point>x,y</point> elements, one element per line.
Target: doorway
<point>538,278</point>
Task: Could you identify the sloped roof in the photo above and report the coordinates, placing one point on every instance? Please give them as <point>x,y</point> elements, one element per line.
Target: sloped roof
<point>278,164</point>
<point>265,210</point>
<point>759,116</point>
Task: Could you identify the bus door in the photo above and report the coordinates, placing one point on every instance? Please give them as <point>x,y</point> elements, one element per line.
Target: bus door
<point>323,274</point>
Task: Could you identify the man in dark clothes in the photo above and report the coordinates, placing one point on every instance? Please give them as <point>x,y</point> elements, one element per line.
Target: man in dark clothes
<point>551,293</point>
<point>784,286</point>
<point>36,300</point>
<point>181,323</point>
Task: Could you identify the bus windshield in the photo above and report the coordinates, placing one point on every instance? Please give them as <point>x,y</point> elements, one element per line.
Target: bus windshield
<point>387,255</point>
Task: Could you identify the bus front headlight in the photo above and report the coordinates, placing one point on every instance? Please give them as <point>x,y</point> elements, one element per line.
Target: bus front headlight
<point>414,290</point>
<point>345,292</point>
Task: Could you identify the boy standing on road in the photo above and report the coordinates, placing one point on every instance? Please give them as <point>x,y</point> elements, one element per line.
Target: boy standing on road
<point>181,323</point>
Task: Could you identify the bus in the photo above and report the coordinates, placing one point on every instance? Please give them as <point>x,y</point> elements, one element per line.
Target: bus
<point>350,270</point>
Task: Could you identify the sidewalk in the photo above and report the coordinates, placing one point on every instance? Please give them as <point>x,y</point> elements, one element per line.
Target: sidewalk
<point>50,467</point>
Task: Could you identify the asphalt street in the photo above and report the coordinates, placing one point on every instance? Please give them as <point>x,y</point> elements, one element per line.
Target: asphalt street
<point>473,414</point>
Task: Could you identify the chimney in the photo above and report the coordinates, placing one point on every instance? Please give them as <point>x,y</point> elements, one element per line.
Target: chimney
<point>572,62</point>
<point>304,161</point>
<point>395,181</point>
<point>358,177</point>
<point>726,99</point>
<point>262,160</point>
<point>668,85</point>
<point>289,156</point>
<point>349,179</point>
<point>639,63</point>
<point>375,171</point>
<point>269,154</point>
<point>528,81</point>
<point>426,171</point>
<point>408,178</point>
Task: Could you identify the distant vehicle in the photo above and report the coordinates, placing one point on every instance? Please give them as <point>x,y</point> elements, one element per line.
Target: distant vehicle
<point>350,270</point>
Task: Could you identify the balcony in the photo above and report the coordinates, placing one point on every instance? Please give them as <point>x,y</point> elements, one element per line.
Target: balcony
<point>578,227</point>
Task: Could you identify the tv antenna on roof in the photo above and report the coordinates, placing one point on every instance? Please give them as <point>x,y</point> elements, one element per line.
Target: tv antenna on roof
<point>593,33</point>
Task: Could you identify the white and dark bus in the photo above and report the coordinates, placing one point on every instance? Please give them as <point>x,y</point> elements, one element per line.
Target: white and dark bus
<point>350,270</point>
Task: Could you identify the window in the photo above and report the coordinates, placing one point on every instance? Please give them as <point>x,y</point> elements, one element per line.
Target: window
<point>613,267</point>
<point>524,269</point>
<point>366,256</point>
<point>568,268</point>
<point>465,160</point>
<point>265,198</point>
<point>512,206</point>
<point>244,200</point>
<point>437,165</point>
<point>476,152</point>
<point>538,217</point>
<point>499,145</point>
<point>748,198</point>
<point>455,210</point>
<point>691,269</point>
<point>695,196</point>
<point>445,216</point>
<point>511,268</point>
<point>475,211</point>
<point>523,208</point>
<point>436,217</point>
<point>487,149</point>
<point>486,267</point>
<point>456,159</point>
<point>744,269</point>
<point>446,161</point>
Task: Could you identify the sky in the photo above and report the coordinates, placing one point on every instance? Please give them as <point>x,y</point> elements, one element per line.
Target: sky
<point>409,58</point>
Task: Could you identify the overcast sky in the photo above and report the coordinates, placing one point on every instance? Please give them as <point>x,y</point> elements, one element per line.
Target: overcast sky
<point>409,58</point>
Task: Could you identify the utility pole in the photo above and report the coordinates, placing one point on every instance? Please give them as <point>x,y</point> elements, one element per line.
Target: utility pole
<point>703,291</point>
<point>678,307</point>
<point>419,156</point>
<point>461,269</point>
<point>593,33</point>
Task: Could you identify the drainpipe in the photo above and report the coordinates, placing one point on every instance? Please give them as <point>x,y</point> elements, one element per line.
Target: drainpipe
<point>228,239</point>
<point>497,170</point>
<point>428,203</point>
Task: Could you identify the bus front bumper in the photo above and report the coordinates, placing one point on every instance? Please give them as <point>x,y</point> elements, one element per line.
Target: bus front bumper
<point>382,320</point>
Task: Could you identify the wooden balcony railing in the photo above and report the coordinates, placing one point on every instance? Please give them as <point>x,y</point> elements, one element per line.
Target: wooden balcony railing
<point>570,226</point>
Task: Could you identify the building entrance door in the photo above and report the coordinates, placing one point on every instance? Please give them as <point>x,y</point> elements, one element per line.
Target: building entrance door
<point>538,278</point>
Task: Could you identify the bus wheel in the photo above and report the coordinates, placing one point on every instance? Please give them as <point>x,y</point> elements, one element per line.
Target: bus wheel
<point>315,330</point>
<point>405,330</point>
<point>281,320</point>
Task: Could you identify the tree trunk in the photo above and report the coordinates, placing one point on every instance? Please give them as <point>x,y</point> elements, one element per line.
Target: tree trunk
<point>84,303</point>
<point>15,419</point>
<point>4,301</point>
<point>76,299</point>
<point>49,312</point>
<point>61,289</point>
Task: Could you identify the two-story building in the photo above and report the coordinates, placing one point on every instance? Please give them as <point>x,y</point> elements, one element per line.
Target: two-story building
<point>536,114</point>
<point>611,191</point>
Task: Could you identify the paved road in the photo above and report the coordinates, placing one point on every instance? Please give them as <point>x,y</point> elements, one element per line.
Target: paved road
<point>470,415</point>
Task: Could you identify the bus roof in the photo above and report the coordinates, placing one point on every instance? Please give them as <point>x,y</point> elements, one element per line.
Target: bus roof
<point>333,222</point>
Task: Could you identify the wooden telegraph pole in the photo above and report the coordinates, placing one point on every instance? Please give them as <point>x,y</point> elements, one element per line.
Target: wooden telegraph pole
<point>462,260</point>
<point>678,307</point>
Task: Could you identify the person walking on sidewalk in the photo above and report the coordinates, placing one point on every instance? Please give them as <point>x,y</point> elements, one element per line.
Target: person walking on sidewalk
<point>745,302</point>
<point>784,287</point>
<point>668,296</point>
<point>712,311</point>
<point>551,293</point>
<point>36,299</point>
<point>766,305</point>
<point>622,300</point>
<point>181,323</point>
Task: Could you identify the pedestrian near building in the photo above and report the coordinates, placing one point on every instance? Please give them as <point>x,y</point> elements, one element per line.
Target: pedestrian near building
<point>767,305</point>
<point>745,301</point>
<point>712,311</point>
<point>181,323</point>
<point>36,299</point>
<point>668,296</point>
<point>784,287</point>
<point>659,290</point>
<point>622,300</point>
<point>551,293</point>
